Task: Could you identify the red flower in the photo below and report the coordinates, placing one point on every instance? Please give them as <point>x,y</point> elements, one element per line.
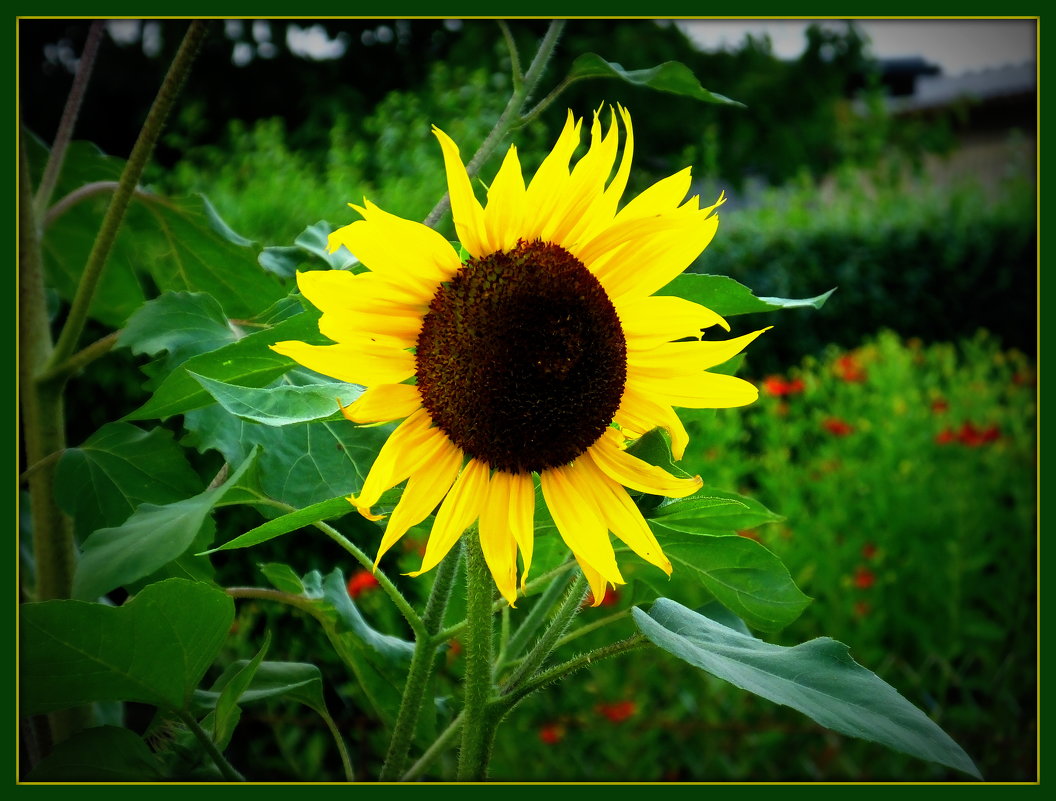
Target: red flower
<point>945,436</point>
<point>861,608</point>
<point>362,581</point>
<point>940,405</point>
<point>777,386</point>
<point>868,550</point>
<point>848,369</point>
<point>551,733</point>
<point>612,596</point>
<point>454,648</point>
<point>837,427</point>
<point>864,578</point>
<point>617,712</point>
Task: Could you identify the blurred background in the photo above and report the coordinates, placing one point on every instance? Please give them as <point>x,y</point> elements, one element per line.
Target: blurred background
<point>896,428</point>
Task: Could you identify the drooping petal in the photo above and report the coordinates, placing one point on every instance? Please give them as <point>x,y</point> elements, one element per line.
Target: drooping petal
<point>458,511</point>
<point>681,358</point>
<point>641,414</point>
<point>621,515</point>
<point>597,583</point>
<point>579,522</point>
<point>630,471</point>
<point>382,403</point>
<point>522,514</point>
<point>365,362</point>
<point>425,489</point>
<point>496,537</point>
<point>465,208</point>
<point>408,448</point>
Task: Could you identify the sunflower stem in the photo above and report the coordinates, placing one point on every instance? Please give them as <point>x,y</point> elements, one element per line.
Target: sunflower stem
<point>115,213</point>
<point>421,669</point>
<point>559,624</point>
<point>478,730</point>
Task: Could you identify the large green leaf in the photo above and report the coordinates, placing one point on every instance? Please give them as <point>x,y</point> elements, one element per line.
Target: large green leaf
<point>154,649</point>
<point>729,298</point>
<point>282,405</point>
<point>671,76</point>
<point>712,510</point>
<point>249,362</point>
<point>299,465</point>
<point>818,678</point>
<point>182,324</point>
<point>324,510</point>
<point>741,574</point>
<point>151,538</point>
<point>118,468</point>
<point>101,754</point>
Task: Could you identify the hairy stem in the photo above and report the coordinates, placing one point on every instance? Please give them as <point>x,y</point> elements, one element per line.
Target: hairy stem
<point>225,767</point>
<point>137,161</point>
<point>81,359</point>
<point>524,633</point>
<point>478,730</point>
<point>421,669</point>
<point>69,119</point>
<point>439,744</point>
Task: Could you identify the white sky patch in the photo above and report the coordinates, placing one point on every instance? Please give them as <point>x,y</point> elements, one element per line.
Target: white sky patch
<point>957,46</point>
<point>314,42</point>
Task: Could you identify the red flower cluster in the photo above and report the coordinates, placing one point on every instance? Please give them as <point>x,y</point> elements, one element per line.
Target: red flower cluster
<point>617,712</point>
<point>778,387</point>
<point>612,597</point>
<point>837,427</point>
<point>362,581</point>
<point>864,578</point>
<point>849,370</point>
<point>969,435</point>
<point>551,733</point>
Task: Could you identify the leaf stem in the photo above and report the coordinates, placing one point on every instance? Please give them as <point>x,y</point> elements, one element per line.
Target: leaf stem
<point>81,193</point>
<point>524,633</point>
<point>515,58</point>
<point>81,359</point>
<point>226,768</point>
<point>439,744</point>
<point>421,669</point>
<point>69,118</point>
<point>137,161</point>
<point>478,731</point>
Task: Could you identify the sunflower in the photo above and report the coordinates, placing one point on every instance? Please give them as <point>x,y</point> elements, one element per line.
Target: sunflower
<point>541,355</point>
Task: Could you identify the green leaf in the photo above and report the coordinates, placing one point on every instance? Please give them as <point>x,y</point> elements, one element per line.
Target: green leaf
<point>818,678</point>
<point>101,754</point>
<point>392,650</point>
<point>671,76</point>
<point>654,447</point>
<point>741,574</point>
<point>118,468</point>
<point>183,324</point>
<point>283,405</point>
<point>299,465</point>
<point>324,510</point>
<point>227,710</point>
<point>309,252</point>
<point>729,298</point>
<point>154,649</point>
<point>249,362</point>
<point>712,510</point>
<point>282,577</point>
<point>151,538</point>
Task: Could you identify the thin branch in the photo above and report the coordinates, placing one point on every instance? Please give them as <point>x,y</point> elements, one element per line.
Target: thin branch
<point>81,359</point>
<point>226,768</point>
<point>515,59</point>
<point>69,118</point>
<point>439,744</point>
<point>66,202</point>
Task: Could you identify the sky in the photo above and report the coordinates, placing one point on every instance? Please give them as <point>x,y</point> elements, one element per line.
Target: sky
<point>958,46</point>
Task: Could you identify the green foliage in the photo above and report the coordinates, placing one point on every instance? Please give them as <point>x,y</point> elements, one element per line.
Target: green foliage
<point>100,754</point>
<point>818,678</point>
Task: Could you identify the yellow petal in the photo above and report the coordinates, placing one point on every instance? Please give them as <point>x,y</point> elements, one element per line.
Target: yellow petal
<point>596,581</point>
<point>579,522</point>
<point>496,538</point>
<point>425,489</point>
<point>382,403</point>
<point>457,513</point>
<point>364,362</point>
<point>403,251</point>
<point>702,391</point>
<point>465,208</point>
<point>630,471</point>
<point>522,512</point>
<point>654,320</point>
<point>679,358</point>
<point>660,198</point>
<point>408,448</point>
<point>505,210</point>
<point>549,183</point>
<point>622,516</point>
<point>641,413</point>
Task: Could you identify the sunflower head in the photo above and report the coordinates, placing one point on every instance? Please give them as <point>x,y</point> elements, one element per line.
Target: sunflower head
<point>532,362</point>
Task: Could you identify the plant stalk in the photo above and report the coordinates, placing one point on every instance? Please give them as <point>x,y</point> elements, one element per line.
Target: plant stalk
<point>226,768</point>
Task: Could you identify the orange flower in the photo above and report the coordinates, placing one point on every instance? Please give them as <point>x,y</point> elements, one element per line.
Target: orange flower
<point>617,712</point>
<point>837,427</point>
<point>864,578</point>
<point>551,733</point>
<point>849,370</point>
<point>611,598</point>
<point>777,386</point>
<point>940,405</point>
<point>362,581</point>
<point>945,436</point>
